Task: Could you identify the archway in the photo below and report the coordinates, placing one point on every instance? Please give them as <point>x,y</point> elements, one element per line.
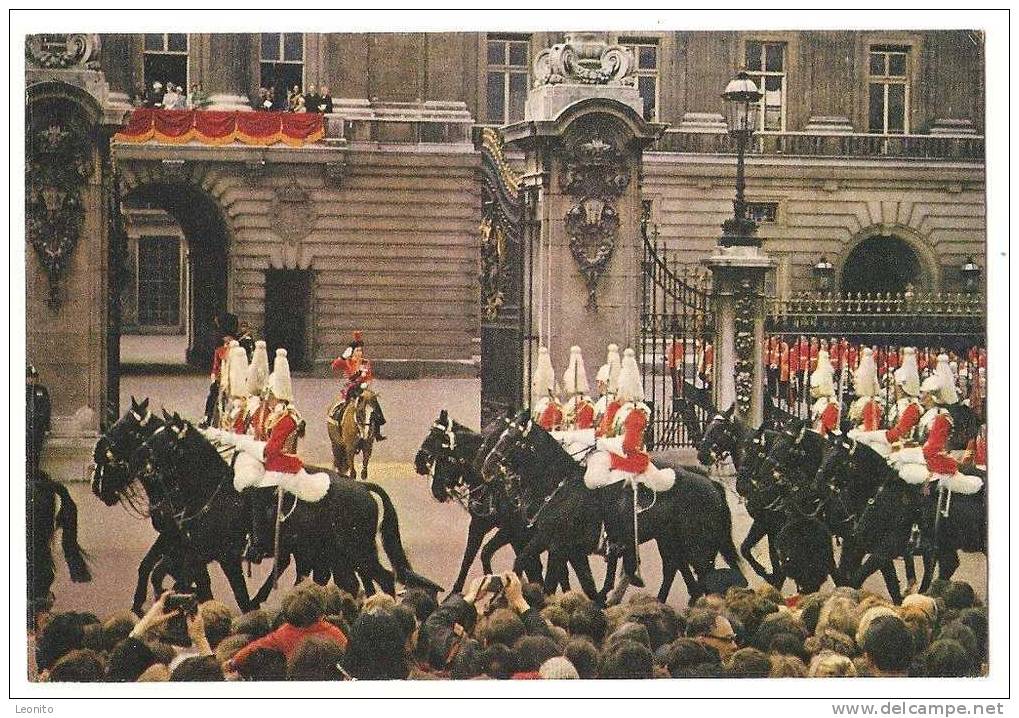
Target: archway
<point>883,263</point>
<point>206,237</point>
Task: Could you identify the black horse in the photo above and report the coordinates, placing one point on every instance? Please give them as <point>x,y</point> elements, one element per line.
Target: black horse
<point>189,485</point>
<point>690,523</point>
<point>849,478</point>
<point>805,540</point>
<point>957,521</point>
<point>728,436</point>
<point>447,454</point>
<point>50,507</point>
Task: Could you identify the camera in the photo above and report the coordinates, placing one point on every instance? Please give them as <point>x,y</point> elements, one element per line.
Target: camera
<point>185,602</point>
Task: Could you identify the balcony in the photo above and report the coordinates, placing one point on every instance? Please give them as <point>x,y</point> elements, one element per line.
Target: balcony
<point>961,147</point>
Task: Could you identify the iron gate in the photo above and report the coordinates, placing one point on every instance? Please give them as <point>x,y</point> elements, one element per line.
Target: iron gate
<point>843,324</point>
<point>504,311</point>
<point>676,345</point>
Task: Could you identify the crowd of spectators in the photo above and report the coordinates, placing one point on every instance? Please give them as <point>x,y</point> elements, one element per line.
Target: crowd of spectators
<point>514,631</point>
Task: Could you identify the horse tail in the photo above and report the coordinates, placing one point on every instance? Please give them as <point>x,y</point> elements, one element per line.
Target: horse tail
<point>393,544</point>
<point>728,547</point>
<point>67,520</point>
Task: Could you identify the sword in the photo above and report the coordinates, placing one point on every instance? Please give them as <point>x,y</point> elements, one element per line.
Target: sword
<point>276,540</point>
<point>842,387</point>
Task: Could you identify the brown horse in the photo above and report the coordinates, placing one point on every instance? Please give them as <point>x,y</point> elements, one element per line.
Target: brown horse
<point>353,434</point>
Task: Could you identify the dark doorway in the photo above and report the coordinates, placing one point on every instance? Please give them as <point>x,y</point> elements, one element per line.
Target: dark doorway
<point>207,236</point>
<point>287,307</point>
<point>882,264</point>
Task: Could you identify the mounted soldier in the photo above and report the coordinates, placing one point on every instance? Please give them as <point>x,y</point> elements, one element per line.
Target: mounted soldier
<point>905,413</point>
<point>942,400</point>
<point>607,381</point>
<point>578,411</point>
<point>621,455</point>
<point>545,409</point>
<point>358,375</point>
<point>258,379</point>
<point>867,410</point>
<point>235,415</point>
<point>825,410</point>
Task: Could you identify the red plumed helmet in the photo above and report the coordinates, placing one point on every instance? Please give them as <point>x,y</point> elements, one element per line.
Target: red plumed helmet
<point>358,340</point>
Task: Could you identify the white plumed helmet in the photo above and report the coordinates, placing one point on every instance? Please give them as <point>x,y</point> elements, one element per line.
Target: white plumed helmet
<point>280,383</point>
<point>543,379</point>
<point>941,383</point>
<point>614,365</point>
<point>631,388</point>
<point>238,369</point>
<point>258,371</point>
<point>865,377</point>
<point>822,381</point>
<point>575,376</point>
<point>908,375</point>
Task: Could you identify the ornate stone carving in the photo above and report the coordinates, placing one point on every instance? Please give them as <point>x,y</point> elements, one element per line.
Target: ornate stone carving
<point>584,59</point>
<point>63,51</point>
<point>745,337</point>
<point>595,171</point>
<point>293,213</point>
<point>58,164</point>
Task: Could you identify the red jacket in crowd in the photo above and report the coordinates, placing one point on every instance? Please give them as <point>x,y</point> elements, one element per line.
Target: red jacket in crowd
<point>287,637</point>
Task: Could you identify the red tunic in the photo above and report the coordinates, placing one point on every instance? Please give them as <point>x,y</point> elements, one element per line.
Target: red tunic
<point>240,425</point>
<point>636,460</point>
<point>355,371</point>
<point>583,415</point>
<point>870,419</point>
<point>979,448</point>
<point>217,360</point>
<point>783,374</point>
<point>551,417</point>
<point>907,420</point>
<point>935,448</point>
<point>275,457</point>
<point>828,419</point>
<point>794,360</point>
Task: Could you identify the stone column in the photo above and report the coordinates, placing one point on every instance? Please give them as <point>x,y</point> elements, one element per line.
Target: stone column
<point>584,135</point>
<point>738,304</point>
<point>226,75</point>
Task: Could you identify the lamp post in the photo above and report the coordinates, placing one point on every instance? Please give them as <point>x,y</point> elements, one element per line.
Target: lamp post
<point>742,105</point>
<point>823,273</point>
<point>970,272</point>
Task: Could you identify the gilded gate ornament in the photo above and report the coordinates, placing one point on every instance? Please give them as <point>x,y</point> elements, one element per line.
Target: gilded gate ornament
<point>58,165</point>
<point>744,302</point>
<point>499,232</point>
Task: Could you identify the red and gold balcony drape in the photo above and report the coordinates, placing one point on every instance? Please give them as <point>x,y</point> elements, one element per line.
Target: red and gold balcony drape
<point>221,128</point>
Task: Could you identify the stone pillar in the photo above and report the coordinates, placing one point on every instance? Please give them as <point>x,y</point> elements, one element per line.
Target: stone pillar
<point>226,74</point>
<point>584,135</point>
<point>738,304</point>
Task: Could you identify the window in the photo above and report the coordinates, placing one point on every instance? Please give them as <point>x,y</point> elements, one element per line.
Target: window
<point>763,212</point>
<point>282,64</point>
<point>766,66</point>
<point>166,59</point>
<point>645,55</point>
<point>889,90</point>
<point>506,79</point>
<point>159,281</point>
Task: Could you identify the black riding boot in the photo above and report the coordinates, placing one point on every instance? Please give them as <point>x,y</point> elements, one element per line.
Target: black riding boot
<point>631,564</point>
<point>260,540</point>
<point>210,404</point>
<point>378,419</point>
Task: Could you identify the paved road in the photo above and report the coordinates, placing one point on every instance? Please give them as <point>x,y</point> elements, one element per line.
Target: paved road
<point>433,533</point>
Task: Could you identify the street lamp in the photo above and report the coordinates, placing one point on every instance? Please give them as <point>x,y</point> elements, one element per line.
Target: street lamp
<point>742,104</point>
<point>824,271</point>
<point>970,272</point>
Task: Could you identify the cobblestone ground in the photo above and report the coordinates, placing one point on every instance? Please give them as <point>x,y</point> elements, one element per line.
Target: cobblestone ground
<point>433,533</point>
